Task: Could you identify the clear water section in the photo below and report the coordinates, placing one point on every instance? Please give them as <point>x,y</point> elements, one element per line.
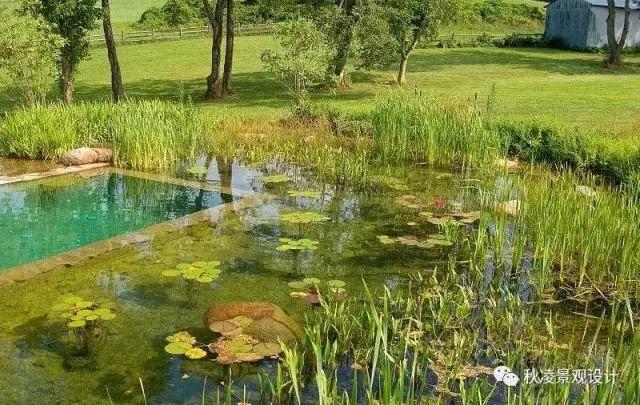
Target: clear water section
<point>51,216</point>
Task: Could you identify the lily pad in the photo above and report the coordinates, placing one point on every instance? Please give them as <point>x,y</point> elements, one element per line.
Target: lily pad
<point>197,170</point>
<point>108,317</point>
<point>268,349</point>
<point>195,353</point>
<point>178,348</point>
<point>385,240</point>
<point>310,281</point>
<point>80,323</point>
<point>336,283</point>
<point>298,285</point>
<point>276,178</point>
<point>304,194</point>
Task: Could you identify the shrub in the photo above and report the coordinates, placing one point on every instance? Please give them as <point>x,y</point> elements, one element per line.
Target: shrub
<point>142,134</point>
<point>152,18</point>
<point>29,53</point>
<point>516,40</point>
<point>617,160</point>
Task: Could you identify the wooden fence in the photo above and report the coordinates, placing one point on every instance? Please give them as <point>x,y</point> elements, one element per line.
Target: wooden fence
<point>129,37</point>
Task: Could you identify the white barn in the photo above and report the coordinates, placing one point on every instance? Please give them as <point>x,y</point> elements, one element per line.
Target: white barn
<point>582,24</point>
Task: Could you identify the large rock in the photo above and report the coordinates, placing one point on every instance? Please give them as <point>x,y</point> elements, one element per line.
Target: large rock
<point>270,323</point>
<point>85,156</point>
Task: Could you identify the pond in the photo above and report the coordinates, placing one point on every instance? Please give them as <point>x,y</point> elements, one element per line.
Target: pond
<point>244,238</point>
<point>383,235</point>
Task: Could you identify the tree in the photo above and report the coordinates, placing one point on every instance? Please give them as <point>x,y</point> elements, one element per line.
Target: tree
<point>407,22</point>
<point>217,87</point>
<point>617,46</point>
<point>29,54</point>
<point>117,87</point>
<point>338,21</point>
<point>302,60</point>
<point>72,20</point>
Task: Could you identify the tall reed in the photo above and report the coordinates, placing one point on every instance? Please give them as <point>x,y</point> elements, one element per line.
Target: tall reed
<point>408,126</point>
<point>142,134</point>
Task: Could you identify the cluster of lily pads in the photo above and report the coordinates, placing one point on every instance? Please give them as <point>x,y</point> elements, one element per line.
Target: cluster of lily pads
<point>202,272</point>
<point>309,290</point>
<point>81,313</point>
<point>274,179</point>
<point>297,244</point>
<point>182,343</point>
<point>193,276</point>
<point>410,240</point>
<point>390,182</point>
<point>198,170</point>
<point>304,194</point>
<point>84,319</point>
<point>233,346</point>
<point>306,217</point>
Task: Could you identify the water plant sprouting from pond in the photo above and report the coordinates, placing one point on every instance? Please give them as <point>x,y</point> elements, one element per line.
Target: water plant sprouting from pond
<point>85,321</point>
<point>193,275</point>
<point>304,218</point>
<point>309,290</point>
<point>305,194</point>
<point>287,244</point>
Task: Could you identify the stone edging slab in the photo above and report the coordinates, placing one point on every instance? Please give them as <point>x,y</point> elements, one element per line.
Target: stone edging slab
<point>53,172</point>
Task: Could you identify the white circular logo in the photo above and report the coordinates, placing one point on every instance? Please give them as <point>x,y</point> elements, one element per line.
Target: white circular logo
<point>500,371</point>
<point>510,380</point>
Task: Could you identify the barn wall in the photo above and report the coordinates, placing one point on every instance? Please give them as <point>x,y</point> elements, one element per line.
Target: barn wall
<point>568,23</point>
<point>597,37</point>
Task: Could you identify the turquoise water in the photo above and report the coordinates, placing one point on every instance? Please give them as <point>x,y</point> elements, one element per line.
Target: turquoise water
<point>51,216</point>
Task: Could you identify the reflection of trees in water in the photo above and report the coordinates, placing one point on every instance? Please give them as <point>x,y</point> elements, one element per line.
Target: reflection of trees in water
<point>163,199</point>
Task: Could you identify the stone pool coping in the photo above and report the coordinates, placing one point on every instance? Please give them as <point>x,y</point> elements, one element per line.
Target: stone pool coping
<point>73,257</point>
<point>51,173</point>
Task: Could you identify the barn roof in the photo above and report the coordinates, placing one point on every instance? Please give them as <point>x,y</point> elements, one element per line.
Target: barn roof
<point>603,3</point>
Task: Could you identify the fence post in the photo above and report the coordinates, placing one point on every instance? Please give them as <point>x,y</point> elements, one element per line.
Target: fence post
<point>153,34</point>
<point>122,35</point>
<point>180,30</point>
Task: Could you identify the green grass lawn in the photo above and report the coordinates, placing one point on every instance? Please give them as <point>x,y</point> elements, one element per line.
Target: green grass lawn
<point>569,87</point>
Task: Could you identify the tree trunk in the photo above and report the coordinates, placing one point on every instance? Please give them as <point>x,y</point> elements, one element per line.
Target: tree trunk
<point>117,87</point>
<point>214,85</point>
<point>66,76</point>
<point>402,72</point>
<point>227,84</point>
<point>339,62</point>
<point>617,46</point>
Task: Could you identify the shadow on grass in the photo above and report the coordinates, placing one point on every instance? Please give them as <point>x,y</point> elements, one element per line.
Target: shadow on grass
<point>543,59</point>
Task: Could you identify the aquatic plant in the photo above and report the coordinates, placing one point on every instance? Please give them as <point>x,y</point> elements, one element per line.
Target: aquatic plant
<point>193,275</point>
<point>389,182</point>
<point>202,272</point>
<point>242,349</point>
<point>182,343</point>
<point>412,240</point>
<point>297,244</point>
<point>198,170</point>
<point>309,290</point>
<point>274,179</point>
<point>304,194</point>
<point>304,217</point>
<point>410,201</point>
<point>85,321</point>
